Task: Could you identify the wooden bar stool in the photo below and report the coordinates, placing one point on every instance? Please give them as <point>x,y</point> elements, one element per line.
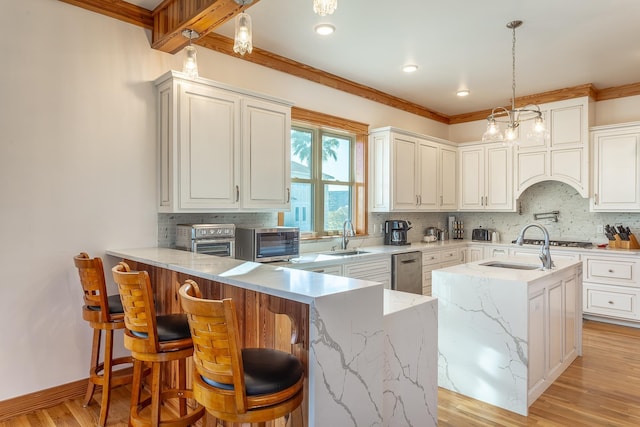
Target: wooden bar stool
<point>240,385</point>
<point>104,313</point>
<point>154,339</point>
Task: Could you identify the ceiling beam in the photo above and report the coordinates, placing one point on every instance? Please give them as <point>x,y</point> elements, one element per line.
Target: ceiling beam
<point>171,17</point>
<point>118,9</point>
<point>259,56</point>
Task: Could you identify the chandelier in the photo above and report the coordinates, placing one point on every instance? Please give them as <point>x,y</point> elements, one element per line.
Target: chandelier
<point>190,64</point>
<point>242,42</point>
<point>325,7</point>
<point>514,116</point>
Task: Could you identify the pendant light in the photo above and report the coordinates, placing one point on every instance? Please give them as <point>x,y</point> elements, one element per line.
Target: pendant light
<point>242,42</point>
<point>325,7</point>
<point>190,65</point>
<point>514,116</point>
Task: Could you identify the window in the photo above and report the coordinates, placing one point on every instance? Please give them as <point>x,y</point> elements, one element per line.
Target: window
<point>310,124</point>
<point>322,179</point>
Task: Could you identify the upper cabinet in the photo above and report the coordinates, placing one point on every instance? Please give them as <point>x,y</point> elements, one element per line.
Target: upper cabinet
<point>411,172</point>
<point>616,168</point>
<point>564,155</point>
<point>486,177</point>
<point>221,148</point>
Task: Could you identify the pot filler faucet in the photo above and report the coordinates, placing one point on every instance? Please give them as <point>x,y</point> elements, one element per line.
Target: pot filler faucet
<point>346,233</point>
<point>545,254</point>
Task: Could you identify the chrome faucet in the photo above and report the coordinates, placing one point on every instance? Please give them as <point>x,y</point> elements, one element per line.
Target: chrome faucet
<point>545,254</point>
<point>346,233</point>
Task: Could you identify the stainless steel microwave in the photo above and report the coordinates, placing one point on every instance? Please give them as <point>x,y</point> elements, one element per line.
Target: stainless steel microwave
<point>267,244</point>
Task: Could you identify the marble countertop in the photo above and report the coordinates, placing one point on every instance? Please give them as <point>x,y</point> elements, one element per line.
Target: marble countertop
<point>296,285</point>
<point>482,270</point>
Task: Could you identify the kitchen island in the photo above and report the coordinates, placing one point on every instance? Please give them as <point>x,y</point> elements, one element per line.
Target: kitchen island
<point>506,332</point>
<point>344,331</point>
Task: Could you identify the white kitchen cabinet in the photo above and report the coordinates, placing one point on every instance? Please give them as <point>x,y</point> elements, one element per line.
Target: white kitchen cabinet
<point>616,168</point>
<point>378,270</point>
<point>433,259</point>
<point>554,329</point>
<point>611,288</point>
<point>564,155</point>
<point>411,172</point>
<point>220,148</point>
<point>472,253</point>
<point>486,178</point>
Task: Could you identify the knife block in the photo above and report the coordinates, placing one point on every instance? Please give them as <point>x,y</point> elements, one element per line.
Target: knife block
<point>632,243</point>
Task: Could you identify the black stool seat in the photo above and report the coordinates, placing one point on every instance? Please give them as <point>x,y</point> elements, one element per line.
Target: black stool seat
<point>266,371</point>
<point>114,303</point>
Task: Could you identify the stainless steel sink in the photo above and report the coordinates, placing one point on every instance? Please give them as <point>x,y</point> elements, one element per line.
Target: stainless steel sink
<point>514,266</point>
<point>348,252</point>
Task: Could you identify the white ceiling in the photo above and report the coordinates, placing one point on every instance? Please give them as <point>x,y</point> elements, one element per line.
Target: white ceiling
<point>457,44</point>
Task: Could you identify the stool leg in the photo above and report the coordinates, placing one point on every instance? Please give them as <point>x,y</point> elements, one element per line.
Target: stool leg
<point>182,385</point>
<point>155,393</point>
<point>95,354</point>
<point>106,377</point>
<point>136,383</point>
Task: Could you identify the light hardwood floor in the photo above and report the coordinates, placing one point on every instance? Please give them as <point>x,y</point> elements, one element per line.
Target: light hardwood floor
<point>601,388</point>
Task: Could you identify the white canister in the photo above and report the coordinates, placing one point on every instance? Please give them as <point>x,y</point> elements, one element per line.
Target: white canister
<point>495,237</point>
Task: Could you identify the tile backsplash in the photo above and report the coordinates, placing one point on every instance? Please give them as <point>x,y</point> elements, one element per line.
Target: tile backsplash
<point>575,222</point>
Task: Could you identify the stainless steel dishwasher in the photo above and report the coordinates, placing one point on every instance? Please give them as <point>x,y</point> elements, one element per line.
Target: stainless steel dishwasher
<point>406,272</point>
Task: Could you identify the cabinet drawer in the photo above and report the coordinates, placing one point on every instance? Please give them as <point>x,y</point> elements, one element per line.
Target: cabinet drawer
<point>613,272</point>
<point>335,270</point>
<point>449,256</point>
<point>611,301</point>
<point>430,258</point>
<point>366,269</point>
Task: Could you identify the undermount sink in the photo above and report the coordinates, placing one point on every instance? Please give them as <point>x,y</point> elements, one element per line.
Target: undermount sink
<point>348,252</point>
<point>514,266</point>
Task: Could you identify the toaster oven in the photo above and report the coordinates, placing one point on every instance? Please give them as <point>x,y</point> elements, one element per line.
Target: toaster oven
<point>481,235</point>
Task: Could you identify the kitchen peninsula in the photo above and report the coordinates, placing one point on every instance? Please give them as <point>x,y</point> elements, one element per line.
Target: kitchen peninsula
<point>349,333</point>
<point>507,328</point>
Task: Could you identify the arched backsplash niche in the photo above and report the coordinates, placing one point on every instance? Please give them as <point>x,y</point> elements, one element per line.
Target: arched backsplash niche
<point>575,222</point>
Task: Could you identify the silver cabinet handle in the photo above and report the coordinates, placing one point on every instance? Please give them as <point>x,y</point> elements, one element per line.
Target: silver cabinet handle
<point>237,193</point>
<point>441,199</point>
<point>595,196</point>
<point>417,200</point>
<point>288,195</point>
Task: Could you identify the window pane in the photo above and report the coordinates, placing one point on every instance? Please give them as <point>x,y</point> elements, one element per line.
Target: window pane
<point>301,154</point>
<point>301,213</point>
<point>336,158</point>
<point>337,206</point>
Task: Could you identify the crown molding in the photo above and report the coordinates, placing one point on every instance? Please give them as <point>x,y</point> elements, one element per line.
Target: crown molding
<point>172,16</point>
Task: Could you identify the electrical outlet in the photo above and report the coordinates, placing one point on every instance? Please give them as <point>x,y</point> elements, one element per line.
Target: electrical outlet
<point>600,229</point>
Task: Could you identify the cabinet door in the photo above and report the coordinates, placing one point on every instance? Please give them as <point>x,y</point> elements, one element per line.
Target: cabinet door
<point>537,338</point>
<point>405,195</point>
<point>556,326</point>
<point>616,172</point>
<point>208,148</point>
<point>499,175</point>
<point>472,179</point>
<point>266,155</point>
<point>448,179</point>
<point>427,177</point>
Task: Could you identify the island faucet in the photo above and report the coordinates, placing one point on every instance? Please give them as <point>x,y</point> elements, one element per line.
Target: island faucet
<point>346,233</point>
<point>545,254</point>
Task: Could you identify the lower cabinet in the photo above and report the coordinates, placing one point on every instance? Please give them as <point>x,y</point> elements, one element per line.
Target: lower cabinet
<point>377,269</point>
<point>374,271</point>
<point>554,329</point>
<point>434,259</point>
<point>611,287</point>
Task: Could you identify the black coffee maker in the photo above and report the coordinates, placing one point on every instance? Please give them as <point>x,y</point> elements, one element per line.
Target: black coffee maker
<point>395,232</point>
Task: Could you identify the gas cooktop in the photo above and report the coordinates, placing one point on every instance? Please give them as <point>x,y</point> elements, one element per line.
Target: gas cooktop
<point>560,243</point>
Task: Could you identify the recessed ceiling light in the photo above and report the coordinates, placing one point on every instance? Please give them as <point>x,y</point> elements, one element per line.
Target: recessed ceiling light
<point>410,68</point>
<point>324,29</point>
<point>463,93</point>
